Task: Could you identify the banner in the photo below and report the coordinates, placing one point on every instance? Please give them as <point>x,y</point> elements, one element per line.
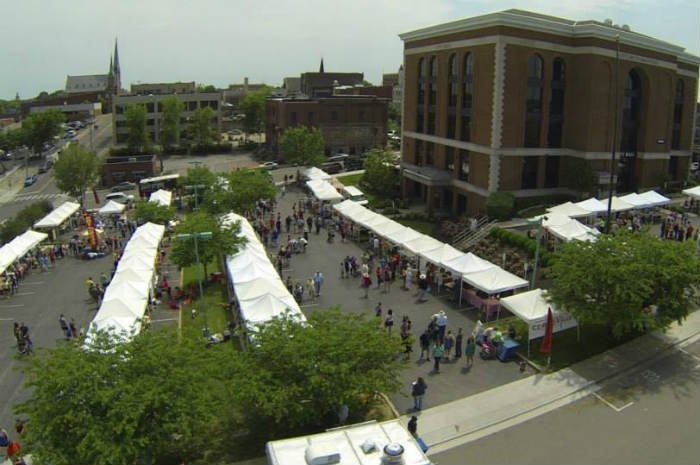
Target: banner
<point>562,321</point>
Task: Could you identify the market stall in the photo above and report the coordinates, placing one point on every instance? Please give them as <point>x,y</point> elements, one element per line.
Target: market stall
<point>161,197</point>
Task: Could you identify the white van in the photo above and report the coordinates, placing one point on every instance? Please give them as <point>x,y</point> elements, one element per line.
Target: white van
<point>354,194</point>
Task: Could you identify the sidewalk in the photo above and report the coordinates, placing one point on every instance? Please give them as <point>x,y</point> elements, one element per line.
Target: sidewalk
<point>468,419</point>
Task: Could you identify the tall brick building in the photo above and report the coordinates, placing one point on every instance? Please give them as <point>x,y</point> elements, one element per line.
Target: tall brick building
<point>508,101</point>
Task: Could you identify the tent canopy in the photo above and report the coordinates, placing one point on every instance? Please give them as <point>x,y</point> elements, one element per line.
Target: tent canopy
<point>58,215</point>
<point>619,205</point>
<point>323,190</point>
<point>422,244</point>
<point>636,200</point>
<point>112,208</point>
<point>468,263</point>
<point>531,307</point>
<point>316,173</point>
<point>593,205</point>
<point>442,254</point>
<point>573,230</point>
<point>161,197</point>
<point>693,192</point>
<point>655,199</point>
<point>569,209</point>
<point>494,280</point>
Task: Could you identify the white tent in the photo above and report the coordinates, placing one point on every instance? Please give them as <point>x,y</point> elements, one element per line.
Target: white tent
<point>693,192</point>
<point>404,235</point>
<point>112,208</point>
<point>422,244</point>
<point>468,263</point>
<point>121,307</point>
<point>494,280</point>
<point>131,274</point>
<point>267,306</point>
<point>569,209</point>
<point>58,215</point>
<point>619,205</point>
<point>120,288</point>
<point>19,246</point>
<point>655,199</point>
<point>161,197</point>
<point>390,228</point>
<point>442,254</point>
<point>573,230</point>
<point>347,206</point>
<point>252,271</point>
<point>316,173</point>
<point>531,307</point>
<point>636,200</point>
<point>551,219</point>
<point>260,287</point>
<point>593,205</point>
<point>376,223</point>
<point>120,328</point>
<point>323,190</point>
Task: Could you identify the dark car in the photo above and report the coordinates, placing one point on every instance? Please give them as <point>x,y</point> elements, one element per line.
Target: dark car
<point>124,186</point>
<point>29,180</point>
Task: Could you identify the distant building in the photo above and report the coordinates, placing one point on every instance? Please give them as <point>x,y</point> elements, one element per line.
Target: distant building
<point>154,121</point>
<point>321,84</point>
<point>107,83</point>
<point>72,112</point>
<point>235,93</point>
<point>510,101</point>
<point>376,91</point>
<point>163,88</point>
<point>397,93</point>
<point>134,168</point>
<point>350,124</point>
<point>292,86</point>
<point>390,79</point>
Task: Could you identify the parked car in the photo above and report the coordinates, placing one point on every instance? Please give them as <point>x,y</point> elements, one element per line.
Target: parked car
<point>30,180</point>
<point>124,186</point>
<point>120,197</point>
<point>269,165</point>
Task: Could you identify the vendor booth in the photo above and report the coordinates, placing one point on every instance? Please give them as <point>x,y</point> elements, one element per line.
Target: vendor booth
<point>161,197</point>
<point>532,307</point>
<point>57,217</point>
<point>112,208</point>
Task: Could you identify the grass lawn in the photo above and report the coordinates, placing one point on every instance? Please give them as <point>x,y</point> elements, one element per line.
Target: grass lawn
<point>350,179</point>
<point>566,349</point>
<point>213,303</point>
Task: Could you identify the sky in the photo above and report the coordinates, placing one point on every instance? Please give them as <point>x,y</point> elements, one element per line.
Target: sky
<point>220,42</point>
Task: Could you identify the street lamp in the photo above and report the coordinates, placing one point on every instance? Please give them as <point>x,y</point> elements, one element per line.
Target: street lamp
<point>195,186</point>
<point>196,236</point>
<point>538,222</point>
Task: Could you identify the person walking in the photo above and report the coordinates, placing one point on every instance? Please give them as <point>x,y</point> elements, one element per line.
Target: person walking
<point>389,320</point>
<point>441,321</point>
<point>64,326</point>
<point>418,388</point>
<point>425,344</point>
<point>449,344</point>
<point>458,343</point>
<point>413,426</point>
<point>73,328</point>
<point>366,283</point>
<point>318,282</point>
<point>470,350</point>
<point>438,352</point>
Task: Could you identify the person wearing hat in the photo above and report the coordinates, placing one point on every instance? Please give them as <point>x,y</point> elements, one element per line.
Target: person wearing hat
<point>441,321</point>
<point>422,288</point>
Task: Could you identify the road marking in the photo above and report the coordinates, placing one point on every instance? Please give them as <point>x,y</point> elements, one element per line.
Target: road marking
<point>36,283</point>
<point>309,305</point>
<point>25,293</point>
<point>617,409</point>
<point>7,319</point>
<point>689,354</point>
<point>11,306</point>
<point>165,319</point>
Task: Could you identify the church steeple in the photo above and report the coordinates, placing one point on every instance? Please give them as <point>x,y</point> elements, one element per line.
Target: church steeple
<point>117,71</point>
<point>320,69</point>
<point>111,66</point>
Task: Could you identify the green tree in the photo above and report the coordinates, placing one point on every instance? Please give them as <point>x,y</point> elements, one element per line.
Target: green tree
<point>24,220</point>
<point>135,119</point>
<point>170,132</point>
<point>151,212</point>
<point>201,126</point>
<point>303,146</point>
<point>11,138</point>
<point>155,399</point>
<point>618,280</point>
<point>76,169</point>
<point>579,175</point>
<point>224,240</point>
<point>297,375</point>
<point>206,88</point>
<point>253,107</point>
<point>380,175</point>
<point>41,128</point>
<point>240,191</point>
<point>500,205</point>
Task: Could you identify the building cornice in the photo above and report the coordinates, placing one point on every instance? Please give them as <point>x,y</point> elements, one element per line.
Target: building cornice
<point>551,25</point>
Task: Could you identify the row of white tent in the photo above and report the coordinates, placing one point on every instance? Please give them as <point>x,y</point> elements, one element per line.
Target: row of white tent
<point>323,190</point>
<point>313,174</point>
<point>161,197</point>
<point>476,271</point>
<point>260,292</point>
<point>58,215</point>
<point>18,247</point>
<point>127,296</point>
<point>560,221</point>
<point>693,192</point>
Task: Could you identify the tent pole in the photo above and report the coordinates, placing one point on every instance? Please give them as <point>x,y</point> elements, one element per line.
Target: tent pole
<point>461,286</point>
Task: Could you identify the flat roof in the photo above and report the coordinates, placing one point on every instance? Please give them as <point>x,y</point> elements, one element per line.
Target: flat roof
<point>347,442</point>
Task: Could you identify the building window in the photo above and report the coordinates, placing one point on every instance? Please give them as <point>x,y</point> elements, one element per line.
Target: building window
<point>630,113</point>
<point>451,125</point>
<point>677,117</point>
<point>361,115</point>
<point>432,95</point>
<point>673,167</point>
<point>529,173</point>
<point>293,118</point>
<point>334,116</point>
<point>533,104</point>
<point>429,154</point>
<point>551,172</point>
<point>119,109</point>
<point>420,103</point>
<point>450,158</point>
<point>419,152</point>
<point>467,97</point>
<point>463,172</point>
<point>311,118</point>
<point>453,82</point>
<point>556,104</point>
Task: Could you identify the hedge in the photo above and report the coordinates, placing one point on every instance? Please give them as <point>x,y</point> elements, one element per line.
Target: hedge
<point>524,243</point>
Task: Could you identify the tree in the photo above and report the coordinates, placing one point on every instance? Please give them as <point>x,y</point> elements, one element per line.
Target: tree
<point>578,174</point>
<point>13,227</point>
<point>155,399</point>
<point>135,120</point>
<point>76,169</point>
<point>201,126</point>
<point>253,107</point>
<point>380,175</point>
<point>170,132</point>
<point>240,191</point>
<point>500,205</point>
<point>11,138</point>
<point>151,212</point>
<point>41,128</point>
<point>303,146</point>
<point>297,375</point>
<point>619,279</point>
<point>224,240</point>
<point>206,88</point>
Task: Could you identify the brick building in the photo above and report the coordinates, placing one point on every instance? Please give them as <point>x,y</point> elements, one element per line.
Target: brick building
<point>157,88</point>
<point>507,101</point>
<point>350,124</point>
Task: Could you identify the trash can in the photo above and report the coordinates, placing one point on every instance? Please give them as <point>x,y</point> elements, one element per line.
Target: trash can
<point>507,349</point>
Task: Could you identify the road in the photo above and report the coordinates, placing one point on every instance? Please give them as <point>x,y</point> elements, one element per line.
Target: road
<point>649,416</point>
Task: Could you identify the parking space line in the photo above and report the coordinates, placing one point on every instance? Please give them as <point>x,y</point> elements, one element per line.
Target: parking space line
<point>12,306</point>
<point>617,409</point>
<point>25,293</point>
<point>35,283</point>
<point>689,354</point>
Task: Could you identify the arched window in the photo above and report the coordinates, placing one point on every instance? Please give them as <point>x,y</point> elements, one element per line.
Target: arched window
<point>452,92</point>
<point>432,95</point>
<point>533,104</point>
<point>556,104</point>
<point>630,112</point>
<point>420,100</point>
<point>467,96</point>
<point>677,116</point>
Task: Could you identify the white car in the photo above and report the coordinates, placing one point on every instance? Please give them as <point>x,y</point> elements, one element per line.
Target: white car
<point>269,165</point>
<point>695,165</point>
<point>120,197</point>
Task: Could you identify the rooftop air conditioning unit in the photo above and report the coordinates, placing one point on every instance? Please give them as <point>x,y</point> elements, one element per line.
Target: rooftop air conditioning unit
<point>321,454</point>
<point>393,454</point>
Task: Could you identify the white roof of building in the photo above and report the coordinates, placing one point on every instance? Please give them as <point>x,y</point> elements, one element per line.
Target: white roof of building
<point>347,443</point>
<point>87,83</point>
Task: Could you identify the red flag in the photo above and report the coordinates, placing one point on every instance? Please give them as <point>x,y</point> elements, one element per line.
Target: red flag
<point>546,346</point>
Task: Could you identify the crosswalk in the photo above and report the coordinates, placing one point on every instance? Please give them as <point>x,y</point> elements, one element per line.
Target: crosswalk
<point>26,197</point>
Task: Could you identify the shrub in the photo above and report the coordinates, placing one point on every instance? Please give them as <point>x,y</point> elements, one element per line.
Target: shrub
<point>500,205</point>
<point>24,220</point>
